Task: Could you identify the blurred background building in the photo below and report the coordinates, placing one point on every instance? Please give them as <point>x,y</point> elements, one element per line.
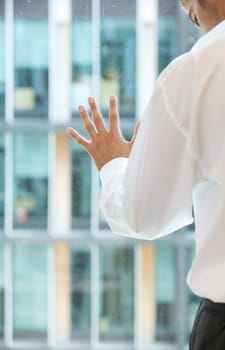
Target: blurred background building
<point>66,282</point>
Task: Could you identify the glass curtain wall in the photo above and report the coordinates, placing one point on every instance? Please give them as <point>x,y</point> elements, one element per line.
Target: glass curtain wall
<point>2,177</point>
<point>29,292</point>
<point>116,313</point>
<point>80,290</point>
<point>1,291</point>
<point>30,180</point>
<point>31,58</point>
<point>81,188</point>
<point>176,34</point>
<point>2,59</point>
<point>82,31</point>
<point>118,55</point>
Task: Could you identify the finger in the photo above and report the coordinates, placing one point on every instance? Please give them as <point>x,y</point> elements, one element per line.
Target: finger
<point>114,121</point>
<point>87,122</point>
<point>131,142</point>
<point>78,138</point>
<point>97,116</point>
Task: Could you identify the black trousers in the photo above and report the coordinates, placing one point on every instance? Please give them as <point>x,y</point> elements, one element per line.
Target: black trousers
<point>209,327</point>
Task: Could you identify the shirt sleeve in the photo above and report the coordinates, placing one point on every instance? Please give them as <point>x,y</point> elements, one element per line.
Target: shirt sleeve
<point>150,194</point>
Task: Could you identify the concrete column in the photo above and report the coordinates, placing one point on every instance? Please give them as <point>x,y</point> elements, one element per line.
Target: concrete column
<point>147,297</point>
<point>63,292</point>
<point>62,186</point>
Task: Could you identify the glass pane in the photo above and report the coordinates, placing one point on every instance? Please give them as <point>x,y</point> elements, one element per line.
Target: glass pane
<point>1,291</point>
<point>116,294</point>
<point>72,293</point>
<point>80,293</point>
<point>176,33</point>
<point>30,179</point>
<point>31,58</point>
<point>81,188</point>
<point>193,300</point>
<point>166,293</point>
<point>29,292</point>
<point>2,176</point>
<point>2,58</point>
<point>81,53</point>
<point>118,54</point>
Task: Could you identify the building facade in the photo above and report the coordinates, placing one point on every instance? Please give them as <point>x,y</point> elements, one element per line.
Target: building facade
<point>66,282</point>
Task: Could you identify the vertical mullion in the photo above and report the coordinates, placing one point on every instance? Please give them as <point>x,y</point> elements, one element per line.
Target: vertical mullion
<point>96,42</point>
<point>9,60</point>
<point>51,162</point>
<point>8,217</point>
<point>137,284</point>
<point>95,295</point>
<point>181,296</point>
<point>51,297</point>
<point>8,295</point>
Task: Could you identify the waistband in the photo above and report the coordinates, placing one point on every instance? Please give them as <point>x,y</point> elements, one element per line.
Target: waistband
<point>219,308</point>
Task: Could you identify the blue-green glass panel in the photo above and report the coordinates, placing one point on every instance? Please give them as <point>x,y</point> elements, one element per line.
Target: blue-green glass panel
<point>118,55</point>
<point>2,59</point>
<point>29,292</point>
<point>30,179</point>
<point>116,314</point>
<point>31,58</point>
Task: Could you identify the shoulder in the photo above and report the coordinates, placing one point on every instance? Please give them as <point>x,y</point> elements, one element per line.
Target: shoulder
<point>180,68</point>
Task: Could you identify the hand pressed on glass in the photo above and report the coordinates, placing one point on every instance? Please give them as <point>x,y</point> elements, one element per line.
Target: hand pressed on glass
<point>105,144</point>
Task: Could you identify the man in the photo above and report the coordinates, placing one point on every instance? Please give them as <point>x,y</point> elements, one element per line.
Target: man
<point>174,161</point>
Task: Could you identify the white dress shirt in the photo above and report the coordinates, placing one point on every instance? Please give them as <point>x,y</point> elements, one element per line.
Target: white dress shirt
<point>178,159</point>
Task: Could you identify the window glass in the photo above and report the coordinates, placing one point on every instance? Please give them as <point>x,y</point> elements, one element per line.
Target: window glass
<point>81,52</point>
<point>29,292</point>
<point>176,34</point>
<point>166,293</point>
<point>72,293</point>
<point>193,300</point>
<point>116,294</point>
<point>31,58</point>
<point>1,291</point>
<point>30,179</point>
<point>2,176</point>
<point>80,293</point>
<point>81,187</point>
<point>2,58</point>
<point>118,53</point>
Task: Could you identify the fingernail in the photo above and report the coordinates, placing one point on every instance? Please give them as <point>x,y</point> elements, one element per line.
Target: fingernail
<point>91,100</point>
<point>81,109</point>
<point>68,130</point>
<point>112,98</point>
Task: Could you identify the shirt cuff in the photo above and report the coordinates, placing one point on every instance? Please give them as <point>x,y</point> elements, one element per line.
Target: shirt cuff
<point>116,165</point>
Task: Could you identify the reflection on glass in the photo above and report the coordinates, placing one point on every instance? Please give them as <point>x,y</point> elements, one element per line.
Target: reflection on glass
<point>176,34</point>
<point>30,292</point>
<point>81,52</point>
<point>72,293</point>
<point>116,294</point>
<point>80,293</point>
<point>166,293</point>
<point>31,58</point>
<point>81,188</point>
<point>118,54</point>
<point>194,300</point>
<point>2,58</point>
<point>1,291</point>
<point>2,173</point>
<point>30,180</point>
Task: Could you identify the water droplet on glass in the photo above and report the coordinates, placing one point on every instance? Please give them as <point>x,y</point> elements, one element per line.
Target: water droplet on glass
<point>114,5</point>
<point>21,13</point>
<point>28,1</point>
